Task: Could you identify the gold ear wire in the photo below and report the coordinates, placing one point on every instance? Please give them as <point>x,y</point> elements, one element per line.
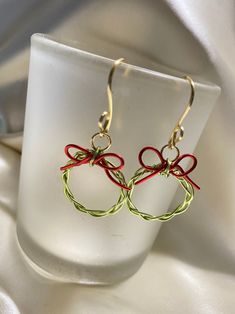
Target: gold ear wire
<point>106,117</point>
<point>178,131</point>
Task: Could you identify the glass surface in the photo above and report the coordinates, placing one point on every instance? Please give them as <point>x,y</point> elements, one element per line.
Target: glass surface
<point>66,95</point>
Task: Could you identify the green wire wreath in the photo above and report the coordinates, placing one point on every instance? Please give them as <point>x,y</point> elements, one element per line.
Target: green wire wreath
<point>95,213</point>
<point>181,208</point>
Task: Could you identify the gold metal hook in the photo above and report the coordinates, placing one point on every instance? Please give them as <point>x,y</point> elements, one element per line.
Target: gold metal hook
<point>106,117</point>
<point>178,131</point>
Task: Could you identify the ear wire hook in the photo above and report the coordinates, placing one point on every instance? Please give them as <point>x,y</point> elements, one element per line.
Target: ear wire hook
<point>178,131</point>
<point>106,117</point>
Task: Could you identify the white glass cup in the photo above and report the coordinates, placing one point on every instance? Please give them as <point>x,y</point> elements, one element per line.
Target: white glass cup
<point>66,96</point>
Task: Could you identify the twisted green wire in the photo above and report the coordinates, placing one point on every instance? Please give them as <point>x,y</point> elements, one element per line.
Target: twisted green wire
<point>95,213</point>
<point>181,208</point>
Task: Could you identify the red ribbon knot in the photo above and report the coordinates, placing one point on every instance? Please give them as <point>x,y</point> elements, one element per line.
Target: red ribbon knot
<point>96,159</point>
<point>174,168</point>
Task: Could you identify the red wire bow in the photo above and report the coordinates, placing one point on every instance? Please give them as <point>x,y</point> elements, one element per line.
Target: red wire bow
<point>181,173</point>
<point>99,160</point>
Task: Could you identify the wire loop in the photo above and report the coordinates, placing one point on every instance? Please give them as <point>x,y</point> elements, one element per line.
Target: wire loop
<point>101,135</point>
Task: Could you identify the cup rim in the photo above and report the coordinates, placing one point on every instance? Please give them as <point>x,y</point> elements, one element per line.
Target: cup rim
<point>51,42</point>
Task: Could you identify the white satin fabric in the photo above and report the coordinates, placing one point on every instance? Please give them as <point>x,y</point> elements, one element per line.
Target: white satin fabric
<point>192,264</point>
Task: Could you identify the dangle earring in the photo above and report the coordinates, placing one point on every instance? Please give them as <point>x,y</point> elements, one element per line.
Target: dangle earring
<point>167,167</point>
<point>96,157</point>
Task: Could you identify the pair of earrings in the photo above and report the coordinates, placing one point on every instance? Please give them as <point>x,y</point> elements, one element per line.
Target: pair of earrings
<point>96,156</point>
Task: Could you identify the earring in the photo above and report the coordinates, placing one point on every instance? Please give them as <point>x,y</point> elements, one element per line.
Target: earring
<point>167,167</point>
<point>96,157</point>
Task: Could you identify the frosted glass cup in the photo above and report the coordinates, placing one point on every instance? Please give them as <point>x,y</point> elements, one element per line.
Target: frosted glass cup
<point>66,96</point>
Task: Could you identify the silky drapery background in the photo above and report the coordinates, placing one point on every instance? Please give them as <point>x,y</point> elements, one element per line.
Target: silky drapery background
<point>192,264</point>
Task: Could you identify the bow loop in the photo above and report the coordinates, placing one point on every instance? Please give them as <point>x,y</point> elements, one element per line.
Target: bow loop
<point>176,165</point>
<point>154,170</point>
<point>156,151</point>
<point>75,161</point>
<point>79,148</point>
<point>101,161</point>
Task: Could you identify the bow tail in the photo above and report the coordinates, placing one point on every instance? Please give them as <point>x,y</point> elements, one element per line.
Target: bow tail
<point>75,164</point>
<point>192,182</point>
<point>154,173</point>
<point>115,181</point>
<point>186,177</point>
